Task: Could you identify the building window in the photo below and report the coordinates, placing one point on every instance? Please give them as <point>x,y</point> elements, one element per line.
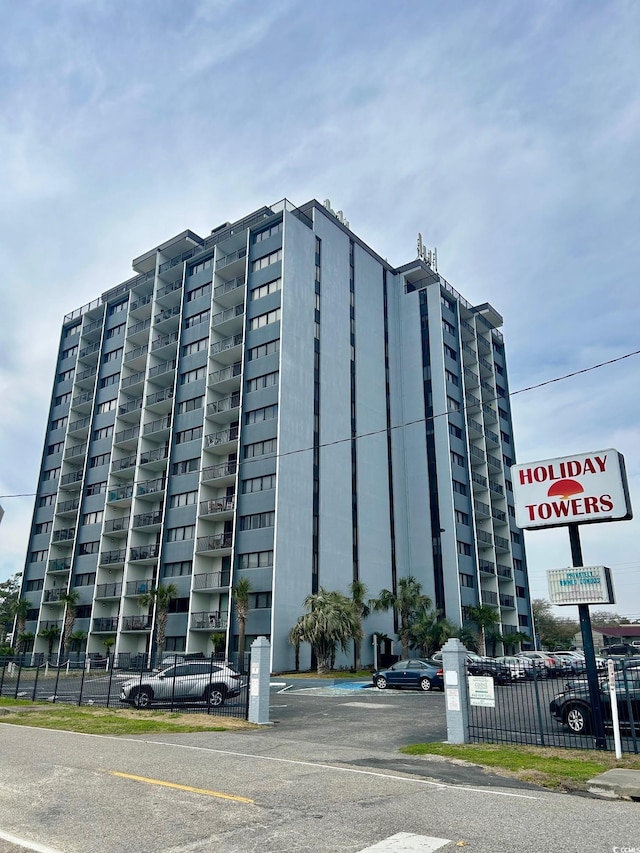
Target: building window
<point>55,448</point>
<point>459,487</point>
<point>255,560</point>
<point>72,330</point>
<point>179,605</point>
<point>61,399</point>
<point>176,570</point>
<point>88,548</point>
<point>93,517</point>
<point>256,521</point>
<point>508,485</point>
<point>96,488</point>
<point>266,413</point>
<point>195,346</point>
<point>263,349</point>
<point>109,380</point>
<point>264,319</point>
<point>45,527</point>
<point>456,458</point>
<point>511,511</point>
<point>508,461</point>
<point>201,266</point>
<point>51,474</point>
<point>183,499</point>
<point>193,375</point>
<point>34,585</point>
<point>264,381</point>
<point>85,579</point>
<point>186,467</point>
<point>448,327</point>
<point>118,307</point>
<point>447,303</point>
<point>266,289</point>
<point>66,374</point>
<point>521,592</point>
<point>179,534</point>
<point>59,423</point>
<point>259,484</point>
<point>461,517</point>
<point>266,260</point>
<point>260,448</point>
<point>190,405</point>
<point>100,459</point>
<point>463,548</point>
<point>452,405</point>
<point>70,352</point>
<point>500,391</point>
<point>516,538</point>
<point>450,352</point>
<point>505,436</point>
<point>114,355</point>
<point>451,377</point>
<point>267,232</point>
<point>83,611</point>
<point>466,580</point>
<point>115,331</point>
<point>103,432</point>
<point>517,564</point>
<point>455,431</point>
<point>188,435</point>
<point>38,556</point>
<point>47,500</point>
<point>523,621</point>
<point>203,290</point>
<point>260,600</point>
<point>107,406</point>
<point>498,368</point>
<point>202,317</point>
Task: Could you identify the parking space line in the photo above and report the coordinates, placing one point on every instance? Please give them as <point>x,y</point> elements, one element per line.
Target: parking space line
<point>175,785</point>
<point>26,844</point>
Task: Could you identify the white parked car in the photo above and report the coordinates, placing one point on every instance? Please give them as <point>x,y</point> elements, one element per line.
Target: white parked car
<point>200,681</point>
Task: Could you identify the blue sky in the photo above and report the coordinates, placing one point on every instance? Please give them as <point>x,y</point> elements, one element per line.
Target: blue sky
<point>507,133</point>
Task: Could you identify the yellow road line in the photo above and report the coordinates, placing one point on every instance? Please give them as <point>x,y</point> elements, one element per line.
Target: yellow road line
<point>181,787</point>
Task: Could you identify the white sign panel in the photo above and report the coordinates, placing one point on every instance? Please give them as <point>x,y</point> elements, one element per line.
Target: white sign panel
<point>481,691</point>
<point>580,489</point>
<point>453,699</point>
<point>580,585</point>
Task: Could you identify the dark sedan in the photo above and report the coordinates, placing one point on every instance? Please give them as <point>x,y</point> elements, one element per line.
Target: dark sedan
<point>416,674</point>
<point>572,707</point>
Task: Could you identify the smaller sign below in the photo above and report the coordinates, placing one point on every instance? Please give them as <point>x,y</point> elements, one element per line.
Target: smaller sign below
<point>481,691</point>
<point>453,699</point>
<point>580,585</point>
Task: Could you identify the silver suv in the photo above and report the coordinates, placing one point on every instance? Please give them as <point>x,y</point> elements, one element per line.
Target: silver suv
<point>186,682</point>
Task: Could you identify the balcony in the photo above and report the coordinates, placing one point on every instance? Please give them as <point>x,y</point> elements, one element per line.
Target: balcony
<point>499,515</point>
<point>227,350</point>
<point>478,479</point>
<point>109,590</point>
<point>81,425</point>
<point>76,451</point>
<point>208,621</point>
<point>163,341</point>
<point>160,401</point>
<point>123,464</point>
<point>489,412</point>
<point>217,506</point>
<point>494,461</point>
<point>470,332</point>
<point>224,471</point>
<point>67,507</point>
<point>486,567</point>
<point>51,623</point>
<point>502,544</point>
<point>507,601</point>
<point>147,553</point>
<point>225,409</point>
<point>53,596</point>
<point>471,378</point>
<point>159,428</point>
<point>486,364</point>
<point>158,456</point>
<point>135,623</point>
<point>140,326</point>
<point>492,436</point>
<point>121,493</point>
<point>137,355</point>
<point>86,378</point>
<point>148,519</point>
<point>227,378</point>
<point>496,487</point>
<point>60,566</point>
<point>173,288</point>
<point>476,455</point>
<point>222,441</point>
<point>151,487</point>
<point>92,329</point>
<point>485,540</point>
<point>67,535</point>
<point>130,407</point>
<point>505,572</point>
<point>140,302</point>
<point>230,320</point>
<point>139,587</point>
<point>473,402</point>
<point>216,543</point>
<point>90,353</point>
<point>165,369</point>
<point>226,260</point>
<point>211,581</point>
<point>83,401</point>
<point>117,525</point>
<point>167,314</point>
<point>489,597</point>
<point>482,508</point>
<point>107,625</point>
<point>127,438</point>
<point>133,380</point>
<point>114,557</point>
<point>230,292</point>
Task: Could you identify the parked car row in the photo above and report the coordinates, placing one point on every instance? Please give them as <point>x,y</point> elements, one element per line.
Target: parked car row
<point>201,681</point>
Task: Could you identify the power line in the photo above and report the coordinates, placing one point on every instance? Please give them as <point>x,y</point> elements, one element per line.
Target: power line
<point>463,407</point>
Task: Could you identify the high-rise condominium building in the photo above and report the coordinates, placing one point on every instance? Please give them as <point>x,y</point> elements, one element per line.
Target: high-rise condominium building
<point>273,402</point>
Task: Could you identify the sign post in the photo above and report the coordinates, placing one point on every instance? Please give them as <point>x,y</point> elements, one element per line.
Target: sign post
<point>566,492</point>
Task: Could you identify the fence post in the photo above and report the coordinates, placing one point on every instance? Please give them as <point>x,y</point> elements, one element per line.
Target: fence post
<point>454,664</point>
<point>259,677</point>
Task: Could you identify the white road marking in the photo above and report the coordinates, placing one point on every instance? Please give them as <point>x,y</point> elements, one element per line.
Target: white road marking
<point>366,705</point>
<point>407,842</point>
<point>29,845</point>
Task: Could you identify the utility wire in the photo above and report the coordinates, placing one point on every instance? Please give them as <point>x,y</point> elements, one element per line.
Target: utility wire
<point>464,407</point>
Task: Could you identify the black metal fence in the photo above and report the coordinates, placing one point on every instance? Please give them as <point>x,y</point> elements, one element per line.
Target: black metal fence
<point>197,685</point>
<point>543,711</point>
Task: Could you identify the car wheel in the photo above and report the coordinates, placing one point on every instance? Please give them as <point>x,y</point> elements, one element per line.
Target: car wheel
<point>577,718</point>
<point>215,695</point>
<point>486,673</point>
<point>425,685</point>
<point>142,697</point>
<point>381,682</point>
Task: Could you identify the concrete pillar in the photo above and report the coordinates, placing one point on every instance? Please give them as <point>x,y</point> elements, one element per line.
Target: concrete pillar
<point>456,689</point>
<point>259,677</point>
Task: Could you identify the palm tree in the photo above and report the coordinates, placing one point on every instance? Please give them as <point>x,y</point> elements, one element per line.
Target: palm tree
<point>159,597</point>
<point>241,593</point>
<point>19,609</point>
<point>431,631</point>
<point>217,639</point>
<point>484,617</point>
<point>76,639</point>
<point>108,643</point>
<point>358,595</point>
<point>512,641</point>
<point>295,638</point>
<point>408,602</point>
<point>331,621</point>
<point>70,599</point>
<point>50,634</point>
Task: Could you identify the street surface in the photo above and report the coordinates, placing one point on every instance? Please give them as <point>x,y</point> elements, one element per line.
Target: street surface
<point>326,777</point>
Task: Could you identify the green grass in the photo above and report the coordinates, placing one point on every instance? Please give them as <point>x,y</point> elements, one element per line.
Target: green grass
<point>110,721</point>
<point>559,769</point>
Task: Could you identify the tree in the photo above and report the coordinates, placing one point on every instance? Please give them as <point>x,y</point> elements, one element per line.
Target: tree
<point>241,593</point>
<point>159,598</point>
<point>408,602</point>
<point>331,621</point>
<point>514,640</point>
<point>19,609</point>
<point>70,599</point>
<point>362,610</point>
<point>217,640</point>
<point>554,632</point>
<point>108,643</point>
<point>50,634</point>
<point>295,638</point>
<point>487,620</point>
<point>9,593</point>
<point>431,631</point>
<point>76,640</point>
<point>603,617</point>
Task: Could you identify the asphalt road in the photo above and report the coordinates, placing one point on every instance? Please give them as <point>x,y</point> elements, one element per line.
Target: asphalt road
<point>327,777</point>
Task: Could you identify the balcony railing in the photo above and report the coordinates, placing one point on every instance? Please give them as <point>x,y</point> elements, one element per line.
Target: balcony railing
<point>134,379</point>
<point>208,621</point>
<point>60,565</point>
<point>51,623</point>
<point>479,479</point>
<point>89,350</point>
<point>155,455</point>
<point>489,597</point>
<point>86,374</point>
<point>117,555</point>
<point>496,487</point>
<point>217,542</point>
<point>211,580</point>
<point>139,327</point>
<point>141,301</point>
<point>159,369</point>
<point>157,425</point>
<point>507,601</point>
<point>487,567</point>
<point>498,514</point>
<point>502,543</point>
<point>77,450</point>
<point>494,461</point>
<point>81,423</point>
<point>64,535</point>
<point>484,537</point>
<point>160,396</point>
<point>109,590</point>
<point>137,352</point>
<point>123,464</point>
<point>114,525</point>
<point>168,288</point>
<point>135,623</point>
<point>131,406</point>
<point>167,314</point>
<point>227,343</point>
<point>225,373</point>
<point>140,587</point>
<point>51,596</point>
<point>150,487</point>
<point>504,571</point>
<point>145,552</point>
<point>228,314</point>
<point>164,340</point>
<point>229,259</point>
<point>228,286</point>
<point>225,469</point>
<point>91,326</point>
<point>120,494</point>
<point>223,436</point>
<point>106,625</point>
<point>127,434</point>
<point>68,506</point>
<point>223,405</point>
<point>79,399</point>
<point>482,508</point>
<point>145,519</point>
<point>226,504</point>
<point>476,452</point>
